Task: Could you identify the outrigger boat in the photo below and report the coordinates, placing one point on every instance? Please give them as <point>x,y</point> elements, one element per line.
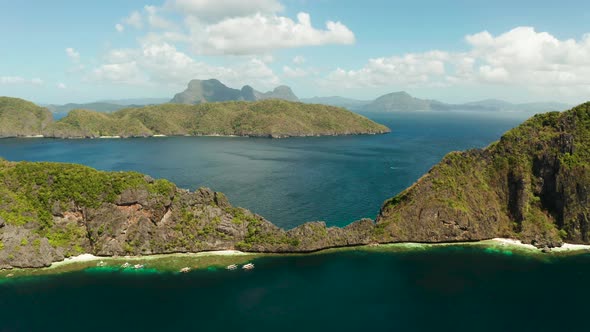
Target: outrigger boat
<point>248,266</point>
<point>138,266</point>
<point>126,265</point>
<point>185,269</point>
<point>231,267</point>
<point>101,263</point>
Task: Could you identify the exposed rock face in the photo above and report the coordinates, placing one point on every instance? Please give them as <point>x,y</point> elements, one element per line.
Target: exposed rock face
<point>533,185</point>
<point>135,215</point>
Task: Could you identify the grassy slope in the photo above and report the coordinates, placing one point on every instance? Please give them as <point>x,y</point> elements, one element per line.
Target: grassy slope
<point>263,118</point>
<point>532,184</point>
<point>19,117</point>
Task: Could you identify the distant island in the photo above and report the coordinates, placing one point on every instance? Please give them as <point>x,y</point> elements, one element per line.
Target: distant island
<point>265,118</point>
<point>212,90</point>
<point>532,186</point>
<point>404,102</point>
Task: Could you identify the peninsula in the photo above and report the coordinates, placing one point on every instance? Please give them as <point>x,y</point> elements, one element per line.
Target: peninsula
<point>264,118</point>
<point>532,186</point>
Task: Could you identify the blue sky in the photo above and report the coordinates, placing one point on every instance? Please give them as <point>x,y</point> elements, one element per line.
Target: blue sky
<point>455,51</point>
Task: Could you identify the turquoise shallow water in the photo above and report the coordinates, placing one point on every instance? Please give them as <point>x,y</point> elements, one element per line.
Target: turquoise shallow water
<point>288,181</point>
<point>442,289</point>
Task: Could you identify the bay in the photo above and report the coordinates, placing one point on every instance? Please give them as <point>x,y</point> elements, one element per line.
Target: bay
<point>294,180</point>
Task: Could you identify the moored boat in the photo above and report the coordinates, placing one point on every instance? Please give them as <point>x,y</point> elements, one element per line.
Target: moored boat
<point>185,269</point>
<point>138,266</point>
<point>248,266</point>
<point>126,265</point>
<point>231,267</point>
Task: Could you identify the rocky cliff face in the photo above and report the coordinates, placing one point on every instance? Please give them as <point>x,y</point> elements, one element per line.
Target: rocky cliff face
<point>51,211</point>
<point>532,185</point>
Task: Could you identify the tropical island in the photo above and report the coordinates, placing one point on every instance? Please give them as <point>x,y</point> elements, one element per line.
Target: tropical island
<point>529,186</point>
<point>265,118</point>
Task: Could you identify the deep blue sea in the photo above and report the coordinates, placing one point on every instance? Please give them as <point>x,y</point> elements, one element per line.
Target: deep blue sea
<point>294,180</point>
<point>290,181</point>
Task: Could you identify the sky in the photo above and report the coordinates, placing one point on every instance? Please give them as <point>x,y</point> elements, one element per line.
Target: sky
<point>455,51</point>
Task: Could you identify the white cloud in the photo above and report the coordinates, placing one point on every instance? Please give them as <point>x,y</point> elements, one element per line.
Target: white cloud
<point>73,54</point>
<point>14,80</point>
<point>61,86</point>
<point>156,21</point>
<point>119,27</point>
<point>215,10</point>
<point>134,19</point>
<point>410,69</point>
<point>298,60</point>
<point>520,57</point>
<point>162,64</point>
<point>294,72</point>
<point>260,33</point>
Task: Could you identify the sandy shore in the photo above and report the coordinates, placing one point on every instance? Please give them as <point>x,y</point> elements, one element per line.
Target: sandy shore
<point>566,247</point>
<point>90,257</point>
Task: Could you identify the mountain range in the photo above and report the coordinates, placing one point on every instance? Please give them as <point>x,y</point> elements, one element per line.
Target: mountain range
<point>402,102</point>
<point>212,90</point>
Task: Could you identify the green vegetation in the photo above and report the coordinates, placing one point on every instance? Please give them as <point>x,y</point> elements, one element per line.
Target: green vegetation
<point>532,184</point>
<point>277,118</point>
<point>22,118</point>
<point>31,193</point>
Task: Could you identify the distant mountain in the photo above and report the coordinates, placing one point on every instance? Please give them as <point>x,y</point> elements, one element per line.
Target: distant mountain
<point>281,92</point>
<point>19,117</point>
<point>203,91</point>
<point>403,102</point>
<point>351,104</point>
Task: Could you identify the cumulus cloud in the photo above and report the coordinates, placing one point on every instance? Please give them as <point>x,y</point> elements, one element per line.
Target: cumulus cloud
<point>234,27</point>
<point>520,57</point>
<point>14,80</point>
<point>62,86</point>
<point>215,10</point>
<point>261,33</point>
<point>163,64</point>
<point>119,27</point>
<point>410,69</point>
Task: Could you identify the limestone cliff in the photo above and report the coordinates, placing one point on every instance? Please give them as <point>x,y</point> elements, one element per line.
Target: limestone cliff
<point>533,185</point>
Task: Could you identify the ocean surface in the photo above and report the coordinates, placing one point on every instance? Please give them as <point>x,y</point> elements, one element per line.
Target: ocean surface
<point>289,181</point>
<point>443,289</point>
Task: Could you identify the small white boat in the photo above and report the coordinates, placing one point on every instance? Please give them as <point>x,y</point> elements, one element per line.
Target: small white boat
<point>101,263</point>
<point>138,266</point>
<point>248,266</point>
<point>126,265</point>
<point>185,269</point>
<point>10,275</point>
<point>231,267</point>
